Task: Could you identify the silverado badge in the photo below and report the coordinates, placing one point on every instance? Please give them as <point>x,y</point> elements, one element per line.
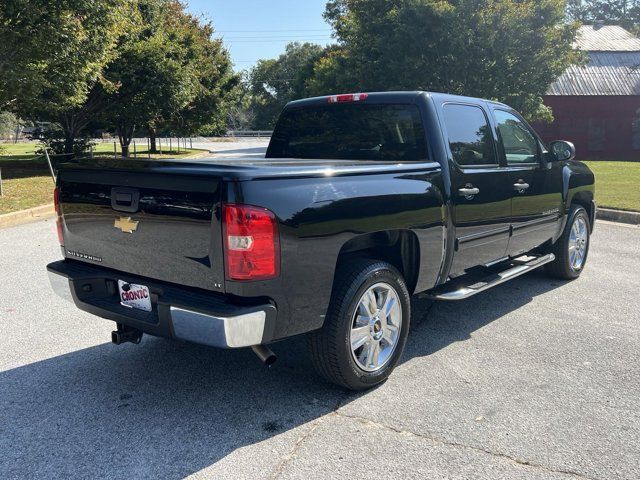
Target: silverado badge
<point>126,224</point>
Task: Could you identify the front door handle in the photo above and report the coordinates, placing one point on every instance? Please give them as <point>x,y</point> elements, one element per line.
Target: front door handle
<point>469,192</point>
<point>521,186</point>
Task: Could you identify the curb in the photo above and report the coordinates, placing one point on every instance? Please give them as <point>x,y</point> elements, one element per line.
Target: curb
<point>620,216</point>
<point>204,153</point>
<point>26,216</point>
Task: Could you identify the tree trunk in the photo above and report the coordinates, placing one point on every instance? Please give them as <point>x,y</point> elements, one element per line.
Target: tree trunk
<point>72,126</point>
<point>69,140</point>
<point>125,134</point>
<point>152,139</point>
<point>70,131</point>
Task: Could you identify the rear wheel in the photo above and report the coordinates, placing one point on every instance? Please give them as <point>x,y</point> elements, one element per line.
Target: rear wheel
<point>366,328</point>
<point>572,248</point>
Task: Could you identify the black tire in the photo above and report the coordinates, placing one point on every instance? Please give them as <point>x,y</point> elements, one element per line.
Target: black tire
<point>562,266</point>
<point>330,347</point>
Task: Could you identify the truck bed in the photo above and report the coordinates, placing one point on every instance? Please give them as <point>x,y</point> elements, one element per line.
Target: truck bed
<point>174,211</point>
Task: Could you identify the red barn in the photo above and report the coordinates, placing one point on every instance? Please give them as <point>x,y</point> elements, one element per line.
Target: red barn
<point>597,106</point>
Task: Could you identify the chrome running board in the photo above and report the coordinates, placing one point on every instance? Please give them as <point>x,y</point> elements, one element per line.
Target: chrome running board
<point>459,291</point>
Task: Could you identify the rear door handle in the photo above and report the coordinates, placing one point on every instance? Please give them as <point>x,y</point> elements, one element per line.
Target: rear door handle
<point>469,192</point>
<point>520,186</point>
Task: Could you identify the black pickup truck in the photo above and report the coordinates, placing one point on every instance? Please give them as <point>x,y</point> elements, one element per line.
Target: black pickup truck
<point>362,201</point>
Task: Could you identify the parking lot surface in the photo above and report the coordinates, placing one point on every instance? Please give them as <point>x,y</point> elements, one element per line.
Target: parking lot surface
<point>249,147</point>
<point>536,379</point>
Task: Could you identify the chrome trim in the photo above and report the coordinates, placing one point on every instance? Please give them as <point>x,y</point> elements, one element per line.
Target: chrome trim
<point>484,234</point>
<point>511,273</point>
<point>536,222</point>
<point>227,332</point>
<point>61,286</point>
<point>497,261</point>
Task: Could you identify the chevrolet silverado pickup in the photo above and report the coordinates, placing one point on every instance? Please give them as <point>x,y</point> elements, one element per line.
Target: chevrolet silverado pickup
<point>362,201</point>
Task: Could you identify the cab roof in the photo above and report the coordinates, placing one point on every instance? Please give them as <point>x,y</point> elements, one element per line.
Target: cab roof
<point>389,97</point>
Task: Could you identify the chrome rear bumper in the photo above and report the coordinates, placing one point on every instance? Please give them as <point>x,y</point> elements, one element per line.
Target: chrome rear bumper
<point>193,317</point>
<point>243,330</point>
<point>60,286</point>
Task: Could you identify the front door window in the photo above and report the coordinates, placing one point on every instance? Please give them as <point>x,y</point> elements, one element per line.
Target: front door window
<point>520,145</point>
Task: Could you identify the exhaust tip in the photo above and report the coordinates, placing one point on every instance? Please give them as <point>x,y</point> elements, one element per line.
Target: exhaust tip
<point>270,360</point>
<point>265,354</point>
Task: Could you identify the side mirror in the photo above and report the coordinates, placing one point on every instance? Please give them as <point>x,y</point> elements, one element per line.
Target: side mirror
<point>561,151</point>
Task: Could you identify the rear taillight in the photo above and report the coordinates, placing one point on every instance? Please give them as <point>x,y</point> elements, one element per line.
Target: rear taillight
<point>56,204</point>
<point>348,97</point>
<point>251,243</point>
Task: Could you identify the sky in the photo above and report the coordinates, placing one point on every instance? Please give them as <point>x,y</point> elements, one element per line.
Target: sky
<point>257,29</point>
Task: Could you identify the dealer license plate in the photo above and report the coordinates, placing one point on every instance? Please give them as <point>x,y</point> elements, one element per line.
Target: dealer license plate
<point>134,296</point>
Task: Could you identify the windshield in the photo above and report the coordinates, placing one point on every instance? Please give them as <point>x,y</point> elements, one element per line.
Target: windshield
<point>350,131</point>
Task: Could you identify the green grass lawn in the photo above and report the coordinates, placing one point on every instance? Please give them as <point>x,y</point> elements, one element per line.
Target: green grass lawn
<point>27,192</point>
<point>10,152</point>
<point>26,181</point>
<point>18,149</point>
<point>617,184</point>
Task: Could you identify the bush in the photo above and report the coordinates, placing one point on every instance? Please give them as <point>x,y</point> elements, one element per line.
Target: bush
<point>54,141</point>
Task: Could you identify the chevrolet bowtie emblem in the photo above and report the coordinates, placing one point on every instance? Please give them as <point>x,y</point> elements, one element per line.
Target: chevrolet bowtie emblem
<point>126,224</point>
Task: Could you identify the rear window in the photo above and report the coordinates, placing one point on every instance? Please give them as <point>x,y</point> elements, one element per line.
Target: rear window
<point>470,137</point>
<point>350,131</point>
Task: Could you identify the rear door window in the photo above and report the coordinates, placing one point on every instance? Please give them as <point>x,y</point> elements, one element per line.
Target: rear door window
<point>350,131</point>
<point>470,137</point>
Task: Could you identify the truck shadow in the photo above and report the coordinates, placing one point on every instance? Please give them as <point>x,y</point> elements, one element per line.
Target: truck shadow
<point>167,409</point>
<point>439,324</point>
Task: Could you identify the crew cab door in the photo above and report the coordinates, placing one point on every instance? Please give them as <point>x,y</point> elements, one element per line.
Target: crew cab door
<point>536,187</point>
<point>481,189</point>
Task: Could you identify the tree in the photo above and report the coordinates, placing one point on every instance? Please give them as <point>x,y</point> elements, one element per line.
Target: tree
<point>9,125</point>
<point>240,114</point>
<point>275,82</point>
<point>53,53</point>
<point>611,12</point>
<point>171,73</point>
<point>125,63</point>
<point>215,85</point>
<point>502,49</point>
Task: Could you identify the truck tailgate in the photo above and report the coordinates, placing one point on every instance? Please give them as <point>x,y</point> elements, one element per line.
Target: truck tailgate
<point>157,222</point>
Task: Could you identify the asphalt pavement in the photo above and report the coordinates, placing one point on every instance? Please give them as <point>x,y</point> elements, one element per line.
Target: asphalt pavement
<point>535,379</point>
<point>248,147</point>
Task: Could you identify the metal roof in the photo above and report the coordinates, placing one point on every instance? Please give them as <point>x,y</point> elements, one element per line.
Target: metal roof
<point>606,38</point>
<point>607,73</point>
<point>613,67</point>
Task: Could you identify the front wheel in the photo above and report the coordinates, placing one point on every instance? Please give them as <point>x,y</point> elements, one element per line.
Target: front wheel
<point>366,327</point>
<point>572,248</point>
